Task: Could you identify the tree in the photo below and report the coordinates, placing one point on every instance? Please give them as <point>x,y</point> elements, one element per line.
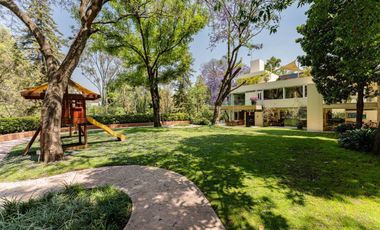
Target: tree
<point>236,23</point>
<point>154,40</point>
<point>100,69</point>
<point>40,12</point>
<point>213,73</point>
<point>272,64</point>
<point>129,99</point>
<point>58,73</point>
<point>16,73</point>
<point>181,95</point>
<point>166,97</point>
<point>341,42</point>
<point>199,97</point>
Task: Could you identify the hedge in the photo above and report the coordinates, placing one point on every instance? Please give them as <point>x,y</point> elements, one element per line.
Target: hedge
<point>14,125</point>
<point>21,124</point>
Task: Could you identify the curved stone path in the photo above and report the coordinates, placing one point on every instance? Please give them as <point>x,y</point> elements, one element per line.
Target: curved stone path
<point>6,146</point>
<point>161,199</point>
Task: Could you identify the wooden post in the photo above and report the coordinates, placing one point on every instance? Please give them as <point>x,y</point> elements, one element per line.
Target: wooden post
<point>85,134</point>
<point>80,134</point>
<point>26,150</point>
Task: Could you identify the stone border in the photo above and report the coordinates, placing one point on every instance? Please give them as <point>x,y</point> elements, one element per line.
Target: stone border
<point>15,136</point>
<point>161,199</point>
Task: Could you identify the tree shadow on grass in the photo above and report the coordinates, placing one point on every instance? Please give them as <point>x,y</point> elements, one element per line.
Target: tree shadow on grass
<point>220,163</point>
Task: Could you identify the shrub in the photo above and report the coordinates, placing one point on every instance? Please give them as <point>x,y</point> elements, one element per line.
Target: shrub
<point>291,122</point>
<point>200,121</point>
<point>14,125</point>
<point>138,118</point>
<point>358,139</point>
<point>345,127</point>
<point>300,125</point>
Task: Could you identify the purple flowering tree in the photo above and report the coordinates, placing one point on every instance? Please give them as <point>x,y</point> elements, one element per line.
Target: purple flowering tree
<point>235,23</point>
<point>213,72</point>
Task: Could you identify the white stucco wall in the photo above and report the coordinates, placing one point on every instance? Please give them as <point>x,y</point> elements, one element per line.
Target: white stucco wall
<point>314,109</point>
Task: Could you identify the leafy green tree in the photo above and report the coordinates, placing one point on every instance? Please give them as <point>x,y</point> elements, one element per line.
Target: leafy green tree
<point>153,40</point>
<point>127,98</point>
<point>341,40</point>
<point>199,97</point>
<point>16,73</point>
<point>181,95</point>
<point>272,64</point>
<point>40,12</point>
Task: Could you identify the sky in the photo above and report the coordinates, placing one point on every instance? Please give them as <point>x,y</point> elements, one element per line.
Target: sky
<point>281,44</point>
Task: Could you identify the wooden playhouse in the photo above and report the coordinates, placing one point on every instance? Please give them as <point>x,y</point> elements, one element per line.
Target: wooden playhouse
<point>73,112</point>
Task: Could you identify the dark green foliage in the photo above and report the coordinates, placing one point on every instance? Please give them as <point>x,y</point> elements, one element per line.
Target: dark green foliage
<point>341,42</point>
<point>358,139</point>
<point>300,125</point>
<point>74,208</point>
<point>14,125</point>
<point>138,118</point>
<point>200,121</point>
<point>345,127</point>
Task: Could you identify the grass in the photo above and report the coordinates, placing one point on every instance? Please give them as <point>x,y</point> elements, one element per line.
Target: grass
<point>73,208</point>
<point>276,178</point>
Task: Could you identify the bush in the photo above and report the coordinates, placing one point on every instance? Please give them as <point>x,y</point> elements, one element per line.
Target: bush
<point>358,139</point>
<point>291,122</point>
<point>14,125</point>
<point>138,118</point>
<point>345,127</point>
<point>200,121</point>
<point>300,125</point>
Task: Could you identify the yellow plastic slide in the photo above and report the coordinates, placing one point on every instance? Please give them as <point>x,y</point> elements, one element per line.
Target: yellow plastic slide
<point>119,136</point>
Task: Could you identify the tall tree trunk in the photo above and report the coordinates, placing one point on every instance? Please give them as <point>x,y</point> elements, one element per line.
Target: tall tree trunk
<point>50,142</point>
<point>155,103</point>
<point>216,115</point>
<point>50,139</point>
<point>360,108</point>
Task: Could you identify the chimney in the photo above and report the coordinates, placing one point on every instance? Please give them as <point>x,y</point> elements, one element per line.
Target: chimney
<point>257,65</point>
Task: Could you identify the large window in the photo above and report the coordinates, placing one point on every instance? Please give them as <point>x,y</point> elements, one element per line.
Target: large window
<point>239,99</point>
<point>270,94</point>
<point>293,92</point>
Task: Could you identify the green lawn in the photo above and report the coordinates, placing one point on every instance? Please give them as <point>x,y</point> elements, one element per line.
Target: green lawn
<point>278,178</point>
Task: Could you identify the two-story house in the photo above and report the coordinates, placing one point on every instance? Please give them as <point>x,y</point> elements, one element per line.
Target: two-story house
<point>267,99</point>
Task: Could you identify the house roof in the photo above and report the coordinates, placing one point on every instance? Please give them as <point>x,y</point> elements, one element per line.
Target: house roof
<point>76,91</point>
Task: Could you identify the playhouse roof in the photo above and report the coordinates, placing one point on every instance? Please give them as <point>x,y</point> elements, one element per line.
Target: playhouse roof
<point>76,92</point>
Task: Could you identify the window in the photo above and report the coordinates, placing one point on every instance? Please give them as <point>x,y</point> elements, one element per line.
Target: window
<point>305,91</point>
<point>293,92</point>
<point>260,95</point>
<point>239,99</point>
<point>353,115</point>
<point>270,94</point>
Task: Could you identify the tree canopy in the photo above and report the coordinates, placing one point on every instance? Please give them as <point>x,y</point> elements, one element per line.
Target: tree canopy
<point>341,40</point>
<point>152,38</point>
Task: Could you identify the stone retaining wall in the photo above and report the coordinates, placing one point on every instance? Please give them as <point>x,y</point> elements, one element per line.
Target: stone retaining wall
<point>15,136</point>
